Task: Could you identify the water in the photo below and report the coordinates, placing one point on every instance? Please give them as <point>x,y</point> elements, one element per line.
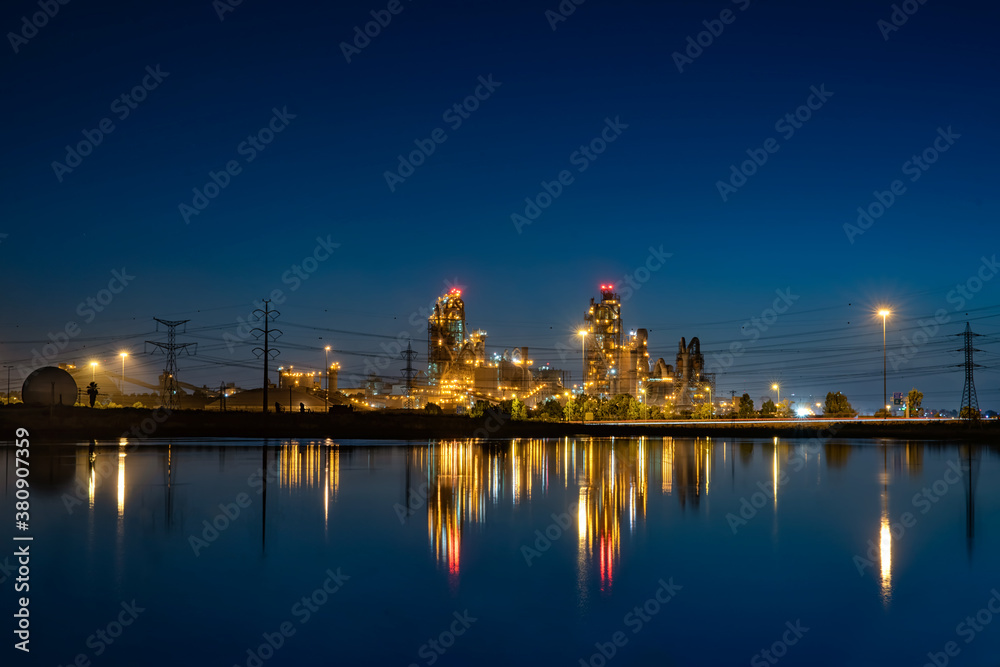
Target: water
<point>652,551</point>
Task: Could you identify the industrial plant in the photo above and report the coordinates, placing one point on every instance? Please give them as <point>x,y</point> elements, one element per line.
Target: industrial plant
<point>457,373</point>
<point>460,372</point>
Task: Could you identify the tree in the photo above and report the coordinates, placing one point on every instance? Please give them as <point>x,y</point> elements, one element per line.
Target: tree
<point>550,410</point>
<point>746,407</point>
<point>837,405</point>
<point>703,411</point>
<point>768,409</point>
<point>433,409</point>
<point>969,412</point>
<point>479,409</point>
<point>785,409</point>
<point>517,410</point>
<point>913,401</point>
<point>92,392</point>
<point>882,413</point>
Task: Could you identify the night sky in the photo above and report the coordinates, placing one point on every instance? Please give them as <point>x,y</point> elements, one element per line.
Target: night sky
<point>643,126</point>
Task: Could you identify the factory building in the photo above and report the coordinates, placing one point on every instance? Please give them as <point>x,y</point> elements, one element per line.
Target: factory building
<point>458,370</point>
<point>453,352</point>
<point>602,341</point>
<point>615,366</point>
<point>635,364</point>
<point>685,384</point>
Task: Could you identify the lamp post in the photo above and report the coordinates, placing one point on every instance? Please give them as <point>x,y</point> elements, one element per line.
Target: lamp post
<point>710,402</point>
<point>123,355</point>
<point>884,312</point>
<point>93,368</point>
<point>326,396</point>
<point>583,361</point>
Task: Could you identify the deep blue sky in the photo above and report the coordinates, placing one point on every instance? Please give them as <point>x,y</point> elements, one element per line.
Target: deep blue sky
<point>656,185</point>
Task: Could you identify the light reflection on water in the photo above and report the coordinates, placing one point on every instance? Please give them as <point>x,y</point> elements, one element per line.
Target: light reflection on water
<point>616,514</point>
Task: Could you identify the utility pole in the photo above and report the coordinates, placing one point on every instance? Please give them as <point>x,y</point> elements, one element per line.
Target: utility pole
<point>267,315</point>
<point>409,373</point>
<point>168,390</point>
<point>222,396</point>
<point>969,399</point>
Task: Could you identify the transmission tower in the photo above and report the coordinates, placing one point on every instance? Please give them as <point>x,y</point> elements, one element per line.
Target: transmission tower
<point>266,353</point>
<point>409,373</point>
<point>169,386</point>
<point>969,399</point>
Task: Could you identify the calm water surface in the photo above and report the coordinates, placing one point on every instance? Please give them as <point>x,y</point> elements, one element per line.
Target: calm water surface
<point>549,552</point>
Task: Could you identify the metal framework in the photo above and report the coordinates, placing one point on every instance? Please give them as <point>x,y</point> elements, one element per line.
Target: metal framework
<point>603,355</point>
<point>409,373</point>
<point>169,385</point>
<point>969,399</point>
<point>266,315</point>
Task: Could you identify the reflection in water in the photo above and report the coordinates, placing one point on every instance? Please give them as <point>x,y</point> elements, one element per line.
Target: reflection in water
<point>457,493</point>
<point>885,533</point>
<point>612,478</point>
<point>837,454</point>
<point>885,550</point>
<point>91,478</point>
<point>774,472</point>
<point>121,482</point>
<point>603,495</point>
<point>971,464</point>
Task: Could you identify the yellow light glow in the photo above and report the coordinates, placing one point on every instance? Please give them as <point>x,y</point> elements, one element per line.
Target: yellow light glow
<point>885,551</point>
<point>884,312</point>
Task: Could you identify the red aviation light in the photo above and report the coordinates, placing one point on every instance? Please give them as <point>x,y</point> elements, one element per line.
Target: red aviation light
<point>455,291</point>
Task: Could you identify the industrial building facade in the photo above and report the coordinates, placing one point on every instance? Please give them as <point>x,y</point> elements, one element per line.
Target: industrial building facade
<point>459,370</point>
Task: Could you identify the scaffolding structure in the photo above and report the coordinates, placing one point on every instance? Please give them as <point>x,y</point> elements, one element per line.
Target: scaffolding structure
<point>603,344</point>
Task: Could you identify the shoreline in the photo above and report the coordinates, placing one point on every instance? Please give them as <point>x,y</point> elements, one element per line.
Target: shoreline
<point>60,424</point>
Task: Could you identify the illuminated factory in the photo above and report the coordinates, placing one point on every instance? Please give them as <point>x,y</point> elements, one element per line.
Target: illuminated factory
<point>459,370</point>
<point>613,366</point>
<point>602,345</point>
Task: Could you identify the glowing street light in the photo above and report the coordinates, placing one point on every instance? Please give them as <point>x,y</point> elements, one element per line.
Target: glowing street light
<point>777,389</point>
<point>583,360</point>
<point>123,355</point>
<point>884,312</point>
<point>93,368</point>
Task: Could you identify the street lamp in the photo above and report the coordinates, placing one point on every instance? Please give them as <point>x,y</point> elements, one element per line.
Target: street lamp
<point>326,396</point>
<point>884,312</point>
<point>93,368</point>
<point>709,388</point>
<point>583,360</point>
<point>123,355</point>
<point>777,389</point>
